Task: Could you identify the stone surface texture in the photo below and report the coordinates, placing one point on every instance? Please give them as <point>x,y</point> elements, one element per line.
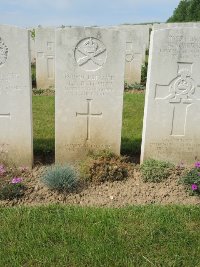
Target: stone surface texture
<point>45,57</point>
<point>15,101</point>
<point>32,46</point>
<point>160,26</point>
<point>171,128</point>
<point>89,91</point>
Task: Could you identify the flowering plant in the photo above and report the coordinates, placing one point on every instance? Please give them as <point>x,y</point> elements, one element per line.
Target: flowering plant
<point>16,180</point>
<point>192,179</point>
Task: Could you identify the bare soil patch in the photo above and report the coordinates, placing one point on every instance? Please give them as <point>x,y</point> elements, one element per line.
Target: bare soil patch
<point>131,191</point>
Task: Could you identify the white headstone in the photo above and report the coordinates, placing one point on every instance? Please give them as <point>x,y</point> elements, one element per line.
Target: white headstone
<point>32,46</point>
<point>137,41</point>
<point>45,57</point>
<point>141,33</point>
<point>15,96</point>
<point>89,91</point>
<point>171,129</point>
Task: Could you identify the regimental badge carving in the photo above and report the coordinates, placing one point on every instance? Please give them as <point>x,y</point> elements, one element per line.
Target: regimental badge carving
<point>3,52</point>
<point>90,54</point>
<point>180,93</point>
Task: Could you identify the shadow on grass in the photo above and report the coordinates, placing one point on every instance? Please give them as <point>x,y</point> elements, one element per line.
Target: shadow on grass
<point>44,151</point>
<point>131,148</point>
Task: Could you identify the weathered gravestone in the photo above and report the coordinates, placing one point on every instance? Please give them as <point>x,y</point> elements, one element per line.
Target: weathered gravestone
<point>32,45</point>
<point>137,41</point>
<point>15,96</point>
<point>45,57</point>
<point>141,33</point>
<point>171,129</point>
<point>89,91</point>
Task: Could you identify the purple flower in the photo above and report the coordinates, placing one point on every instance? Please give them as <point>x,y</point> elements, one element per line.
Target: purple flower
<point>16,180</point>
<point>2,170</point>
<point>197,164</point>
<point>194,187</point>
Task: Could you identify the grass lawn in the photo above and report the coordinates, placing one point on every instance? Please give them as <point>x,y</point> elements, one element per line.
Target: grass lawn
<point>44,127</point>
<point>44,132</point>
<point>69,236</point>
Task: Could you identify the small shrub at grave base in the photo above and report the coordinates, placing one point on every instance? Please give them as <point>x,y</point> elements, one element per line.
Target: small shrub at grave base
<point>102,167</point>
<point>144,73</point>
<point>61,178</point>
<point>11,191</point>
<point>33,74</point>
<point>135,86</point>
<point>191,180</point>
<point>156,171</point>
<point>38,91</point>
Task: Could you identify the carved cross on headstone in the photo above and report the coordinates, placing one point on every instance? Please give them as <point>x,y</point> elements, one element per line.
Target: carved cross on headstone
<point>88,116</point>
<point>181,93</point>
<point>5,115</point>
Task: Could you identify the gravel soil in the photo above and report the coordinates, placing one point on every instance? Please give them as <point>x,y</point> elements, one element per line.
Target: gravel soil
<point>132,191</point>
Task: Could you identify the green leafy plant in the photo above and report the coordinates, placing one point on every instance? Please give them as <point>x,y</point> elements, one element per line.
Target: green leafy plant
<point>191,179</point>
<point>61,178</point>
<point>11,191</point>
<point>32,34</point>
<point>155,171</point>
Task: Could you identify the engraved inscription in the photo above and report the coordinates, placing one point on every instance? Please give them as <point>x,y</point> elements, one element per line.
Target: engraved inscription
<point>90,54</point>
<point>177,145</point>
<point>10,84</point>
<point>88,115</point>
<point>183,46</point>
<point>3,52</point>
<point>87,146</point>
<point>89,85</point>
<point>180,92</point>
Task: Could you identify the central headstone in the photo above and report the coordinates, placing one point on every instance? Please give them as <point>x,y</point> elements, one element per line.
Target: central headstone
<point>171,129</point>
<point>15,97</point>
<point>45,57</point>
<point>89,91</point>
<point>137,41</point>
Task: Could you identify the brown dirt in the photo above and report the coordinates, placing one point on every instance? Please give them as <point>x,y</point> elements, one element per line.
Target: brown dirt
<point>132,191</point>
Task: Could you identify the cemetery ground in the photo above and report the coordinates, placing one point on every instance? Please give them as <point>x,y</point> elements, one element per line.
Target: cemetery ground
<point>101,224</point>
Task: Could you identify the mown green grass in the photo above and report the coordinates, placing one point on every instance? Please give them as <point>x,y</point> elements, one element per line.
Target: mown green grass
<point>44,120</point>
<point>44,125</point>
<point>132,123</point>
<point>69,236</point>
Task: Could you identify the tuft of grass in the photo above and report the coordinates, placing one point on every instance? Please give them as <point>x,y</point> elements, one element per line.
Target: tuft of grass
<point>61,178</point>
<point>155,170</point>
<point>73,236</point>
